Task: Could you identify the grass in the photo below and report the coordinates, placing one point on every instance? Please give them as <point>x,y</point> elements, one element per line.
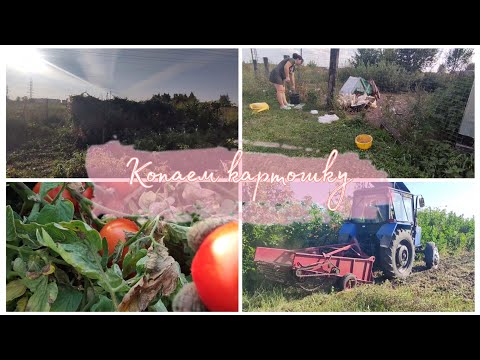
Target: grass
<point>447,289</point>
<point>368,298</point>
<point>300,128</point>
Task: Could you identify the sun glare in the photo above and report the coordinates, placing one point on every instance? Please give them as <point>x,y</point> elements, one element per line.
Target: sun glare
<point>24,59</point>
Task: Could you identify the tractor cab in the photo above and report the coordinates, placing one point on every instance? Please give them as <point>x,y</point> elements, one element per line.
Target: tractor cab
<point>383,221</point>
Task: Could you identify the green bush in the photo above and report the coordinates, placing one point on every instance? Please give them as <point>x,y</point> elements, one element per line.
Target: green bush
<point>430,81</point>
<point>452,233</point>
<point>447,107</point>
<point>388,77</point>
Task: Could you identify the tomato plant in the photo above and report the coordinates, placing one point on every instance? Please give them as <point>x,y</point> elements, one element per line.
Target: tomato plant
<point>53,193</point>
<point>88,193</point>
<point>57,259</point>
<point>114,232</point>
<point>215,269</point>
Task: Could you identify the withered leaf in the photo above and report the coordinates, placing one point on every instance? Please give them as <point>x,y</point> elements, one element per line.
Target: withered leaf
<point>162,273</point>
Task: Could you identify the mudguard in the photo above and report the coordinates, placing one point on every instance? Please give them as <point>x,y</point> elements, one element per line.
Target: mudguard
<point>385,234</point>
<point>418,236</point>
<point>346,231</point>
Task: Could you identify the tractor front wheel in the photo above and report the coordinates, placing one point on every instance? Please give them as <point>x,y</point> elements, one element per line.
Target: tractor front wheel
<point>397,259</point>
<point>432,257</point>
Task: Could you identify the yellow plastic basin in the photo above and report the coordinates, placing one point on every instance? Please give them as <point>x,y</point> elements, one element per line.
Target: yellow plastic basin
<point>364,141</point>
<point>257,107</point>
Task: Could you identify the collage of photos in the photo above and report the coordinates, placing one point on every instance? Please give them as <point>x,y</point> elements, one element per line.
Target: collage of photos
<point>128,188</point>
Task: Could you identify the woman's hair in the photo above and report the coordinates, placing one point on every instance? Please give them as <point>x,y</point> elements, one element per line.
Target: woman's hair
<point>297,57</point>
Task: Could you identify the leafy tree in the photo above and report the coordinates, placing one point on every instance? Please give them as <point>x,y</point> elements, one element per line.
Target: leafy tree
<point>458,59</point>
<point>367,57</point>
<point>389,55</point>
<point>410,59</point>
<point>415,59</point>
<point>225,101</point>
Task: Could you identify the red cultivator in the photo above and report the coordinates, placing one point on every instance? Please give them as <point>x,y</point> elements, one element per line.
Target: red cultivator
<point>343,265</point>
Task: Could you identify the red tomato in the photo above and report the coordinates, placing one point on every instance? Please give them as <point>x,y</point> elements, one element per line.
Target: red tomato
<point>52,193</point>
<point>215,269</point>
<point>114,232</point>
<point>88,193</point>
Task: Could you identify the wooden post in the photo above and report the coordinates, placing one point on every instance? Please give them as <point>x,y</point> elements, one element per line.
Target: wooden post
<point>332,75</point>
<point>265,63</point>
<point>254,62</point>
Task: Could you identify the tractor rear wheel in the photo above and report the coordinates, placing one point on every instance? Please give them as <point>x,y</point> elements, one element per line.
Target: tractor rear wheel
<point>397,259</point>
<point>432,257</point>
<point>347,282</point>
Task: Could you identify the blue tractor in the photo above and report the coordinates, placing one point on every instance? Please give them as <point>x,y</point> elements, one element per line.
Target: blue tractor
<point>384,223</point>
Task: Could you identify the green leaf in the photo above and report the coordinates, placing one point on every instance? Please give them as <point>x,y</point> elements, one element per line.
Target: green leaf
<point>11,230</point>
<point>130,261</point>
<point>140,266</point>
<point>177,233</point>
<point>114,280</point>
<point>82,255</point>
<point>15,289</point>
<point>44,294</point>
<point>158,307</point>
<point>22,304</point>
<point>105,253</point>
<point>68,299</point>
<point>87,233</point>
<point>27,233</point>
<point>103,305</point>
<point>34,213</point>
<point>62,211</point>
<point>47,186</point>
<point>20,267</point>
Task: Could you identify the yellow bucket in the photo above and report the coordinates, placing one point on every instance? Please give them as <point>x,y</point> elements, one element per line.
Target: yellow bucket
<point>364,141</point>
<point>257,107</point>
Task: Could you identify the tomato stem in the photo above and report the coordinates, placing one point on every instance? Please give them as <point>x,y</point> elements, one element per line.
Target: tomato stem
<point>21,187</point>
<point>60,193</point>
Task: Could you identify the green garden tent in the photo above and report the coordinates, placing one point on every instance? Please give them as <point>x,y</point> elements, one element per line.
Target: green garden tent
<point>356,85</point>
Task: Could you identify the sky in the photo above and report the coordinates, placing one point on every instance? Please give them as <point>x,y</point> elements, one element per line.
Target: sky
<point>458,197</point>
<point>321,57</point>
<point>133,73</point>
<point>453,196</point>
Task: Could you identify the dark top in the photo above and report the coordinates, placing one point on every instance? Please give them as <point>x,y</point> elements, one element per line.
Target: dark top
<point>281,67</point>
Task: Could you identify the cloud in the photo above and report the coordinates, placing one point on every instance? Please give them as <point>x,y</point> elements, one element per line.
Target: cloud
<point>160,80</point>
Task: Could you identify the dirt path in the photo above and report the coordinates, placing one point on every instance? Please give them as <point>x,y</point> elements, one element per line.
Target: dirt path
<point>455,275</point>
